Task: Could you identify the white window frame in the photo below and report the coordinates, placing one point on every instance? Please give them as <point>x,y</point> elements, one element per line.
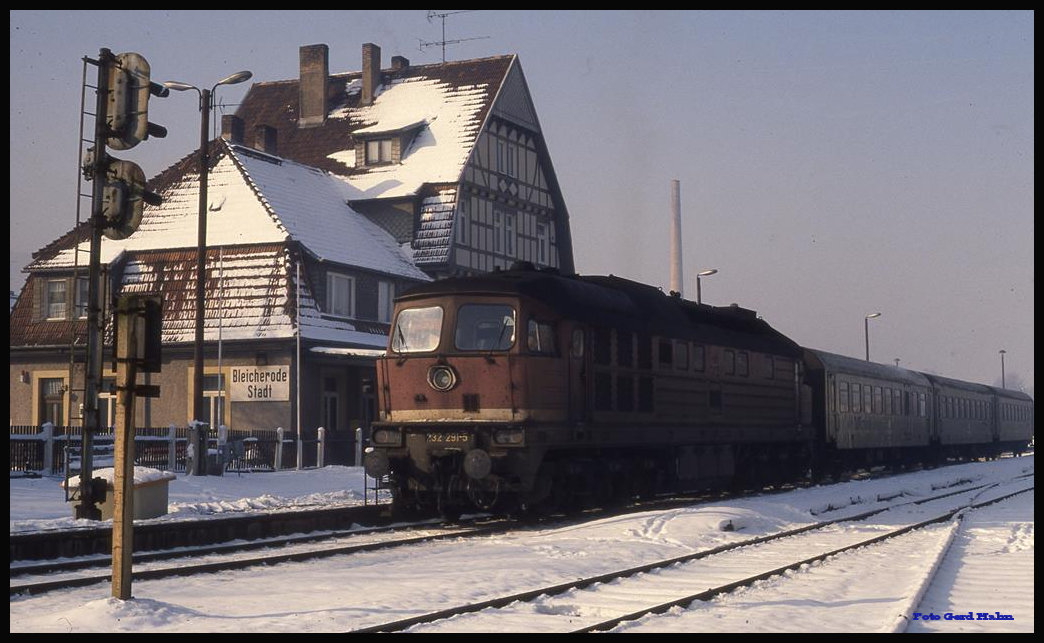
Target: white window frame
<point>57,302</point>
<point>542,247</point>
<point>378,151</point>
<point>82,297</point>
<point>344,284</point>
<point>385,300</point>
<point>509,234</point>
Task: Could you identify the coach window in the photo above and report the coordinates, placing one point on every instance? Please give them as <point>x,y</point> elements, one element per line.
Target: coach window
<point>769,367</point>
<point>644,351</point>
<point>697,357</point>
<point>897,402</point>
<point>576,345</point>
<point>730,362</point>
<point>868,394</point>
<point>922,409</point>
<point>886,398</point>
<point>742,364</point>
<point>681,356</point>
<point>603,348</point>
<point>666,353</point>
<point>842,397</point>
<point>857,397</point>
<point>541,337</point>
<point>877,399</point>
<point>624,348</point>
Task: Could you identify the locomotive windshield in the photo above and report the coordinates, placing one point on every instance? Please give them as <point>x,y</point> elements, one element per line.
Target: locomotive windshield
<point>417,330</point>
<point>485,327</point>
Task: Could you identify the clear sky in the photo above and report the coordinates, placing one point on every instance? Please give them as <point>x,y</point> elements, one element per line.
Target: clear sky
<point>832,164</point>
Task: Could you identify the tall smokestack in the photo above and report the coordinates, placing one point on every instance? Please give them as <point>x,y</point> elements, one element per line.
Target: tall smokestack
<point>677,280</point>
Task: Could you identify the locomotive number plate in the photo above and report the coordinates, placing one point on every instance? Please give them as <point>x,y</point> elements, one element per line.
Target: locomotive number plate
<point>448,438</point>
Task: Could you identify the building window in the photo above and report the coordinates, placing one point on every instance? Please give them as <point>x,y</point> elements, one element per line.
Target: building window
<point>82,287</point>
<point>56,299</point>
<point>340,295</point>
<point>52,402</point>
<point>541,233</point>
<point>107,402</point>
<point>330,402</point>
<point>507,158</point>
<point>498,230</point>
<point>214,399</point>
<point>385,301</point>
<point>462,224</point>
<point>509,234</point>
<point>378,151</point>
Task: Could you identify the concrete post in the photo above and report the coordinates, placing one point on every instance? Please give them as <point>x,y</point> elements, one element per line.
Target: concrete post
<point>279,449</point>
<point>321,450</point>
<point>47,431</point>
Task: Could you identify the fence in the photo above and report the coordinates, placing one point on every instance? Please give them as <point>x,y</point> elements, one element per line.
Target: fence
<point>43,450</point>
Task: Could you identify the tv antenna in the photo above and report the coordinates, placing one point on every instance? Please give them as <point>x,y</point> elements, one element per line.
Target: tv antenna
<point>444,42</point>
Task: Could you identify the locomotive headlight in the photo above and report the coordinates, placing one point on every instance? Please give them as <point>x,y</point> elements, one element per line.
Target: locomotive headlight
<point>387,437</point>
<point>442,378</point>
<point>509,437</point>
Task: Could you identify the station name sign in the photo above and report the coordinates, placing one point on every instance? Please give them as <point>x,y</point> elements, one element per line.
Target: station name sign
<point>259,384</point>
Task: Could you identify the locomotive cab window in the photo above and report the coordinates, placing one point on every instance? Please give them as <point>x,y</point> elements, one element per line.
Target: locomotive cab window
<point>417,330</point>
<point>485,327</point>
<point>540,337</point>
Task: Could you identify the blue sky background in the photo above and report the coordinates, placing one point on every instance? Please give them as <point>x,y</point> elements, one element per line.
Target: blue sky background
<point>831,164</point>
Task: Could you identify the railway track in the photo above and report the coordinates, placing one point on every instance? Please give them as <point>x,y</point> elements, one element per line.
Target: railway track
<point>43,576</point>
<point>705,574</point>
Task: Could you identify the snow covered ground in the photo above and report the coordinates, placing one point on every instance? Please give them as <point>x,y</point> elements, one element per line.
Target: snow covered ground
<point>987,567</point>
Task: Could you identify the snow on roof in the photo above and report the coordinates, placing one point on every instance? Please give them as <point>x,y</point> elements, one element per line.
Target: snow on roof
<point>312,206</point>
<point>235,216</point>
<point>255,199</point>
<point>438,153</point>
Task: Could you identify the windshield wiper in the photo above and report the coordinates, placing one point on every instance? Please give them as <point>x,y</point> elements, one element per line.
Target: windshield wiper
<point>402,344</point>
<point>500,335</point>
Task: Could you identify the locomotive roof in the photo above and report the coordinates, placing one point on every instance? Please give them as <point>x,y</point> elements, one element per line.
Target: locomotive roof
<point>835,363</point>
<point>621,303</point>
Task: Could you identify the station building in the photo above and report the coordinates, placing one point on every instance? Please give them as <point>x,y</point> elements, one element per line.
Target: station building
<point>328,195</point>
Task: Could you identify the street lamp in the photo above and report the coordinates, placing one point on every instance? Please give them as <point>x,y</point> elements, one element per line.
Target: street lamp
<point>702,273</point>
<point>1002,367</point>
<point>205,105</point>
<point>866,328</point>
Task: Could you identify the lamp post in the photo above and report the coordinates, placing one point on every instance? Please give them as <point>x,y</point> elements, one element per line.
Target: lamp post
<point>205,105</point>
<point>1002,367</point>
<point>866,329</point>
<point>702,273</point>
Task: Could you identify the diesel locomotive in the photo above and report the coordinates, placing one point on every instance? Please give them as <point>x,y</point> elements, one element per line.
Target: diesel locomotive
<point>528,389</point>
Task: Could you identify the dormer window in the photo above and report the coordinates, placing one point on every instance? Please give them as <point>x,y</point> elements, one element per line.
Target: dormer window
<point>379,151</point>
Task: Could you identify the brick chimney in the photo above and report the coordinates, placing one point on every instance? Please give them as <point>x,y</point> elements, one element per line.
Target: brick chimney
<point>371,72</point>
<point>232,128</point>
<point>399,63</point>
<point>265,139</point>
<point>315,70</point>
